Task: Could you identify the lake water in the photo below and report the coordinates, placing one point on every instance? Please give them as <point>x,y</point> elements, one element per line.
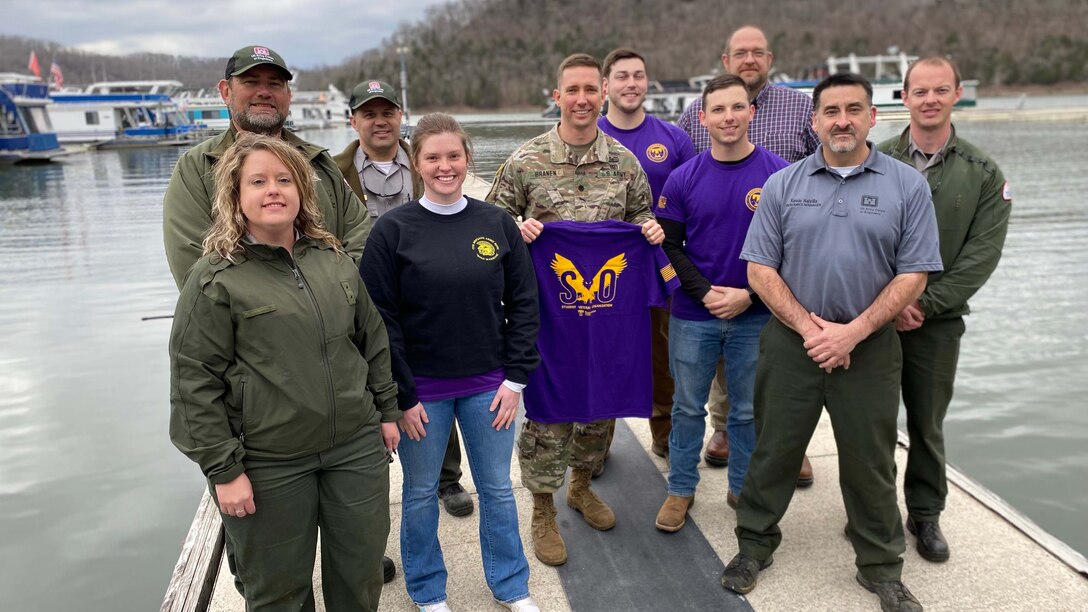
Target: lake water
<point>95,501</point>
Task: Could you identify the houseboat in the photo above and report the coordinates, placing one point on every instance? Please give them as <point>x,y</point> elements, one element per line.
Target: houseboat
<point>204,109</point>
<point>121,114</point>
<point>885,73</point>
<point>318,109</point>
<point>26,133</point>
<point>309,109</point>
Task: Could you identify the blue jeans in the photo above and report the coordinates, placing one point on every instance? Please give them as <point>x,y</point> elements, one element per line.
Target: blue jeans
<point>489,454</point>
<point>694,348</point>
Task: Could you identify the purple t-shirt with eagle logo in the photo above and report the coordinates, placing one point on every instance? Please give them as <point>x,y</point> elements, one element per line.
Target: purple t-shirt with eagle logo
<point>660,148</point>
<point>715,201</point>
<point>596,282</point>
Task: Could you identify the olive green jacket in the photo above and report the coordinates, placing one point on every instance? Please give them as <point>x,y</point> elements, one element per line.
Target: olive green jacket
<point>187,206</point>
<point>973,204</point>
<point>275,356</point>
<point>345,161</point>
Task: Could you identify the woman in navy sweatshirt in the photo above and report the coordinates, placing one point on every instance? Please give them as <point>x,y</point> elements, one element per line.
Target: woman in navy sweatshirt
<point>453,281</point>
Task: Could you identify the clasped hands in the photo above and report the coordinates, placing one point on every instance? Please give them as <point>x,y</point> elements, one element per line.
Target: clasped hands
<point>830,344</point>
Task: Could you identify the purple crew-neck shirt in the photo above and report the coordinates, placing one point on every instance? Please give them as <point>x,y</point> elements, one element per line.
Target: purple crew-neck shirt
<point>596,283</point>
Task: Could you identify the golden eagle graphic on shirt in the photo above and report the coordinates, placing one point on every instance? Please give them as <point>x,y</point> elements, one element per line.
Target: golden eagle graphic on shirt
<point>601,290</point>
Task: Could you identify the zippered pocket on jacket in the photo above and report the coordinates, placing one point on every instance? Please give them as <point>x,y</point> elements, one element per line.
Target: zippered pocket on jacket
<point>242,398</point>
<point>260,310</point>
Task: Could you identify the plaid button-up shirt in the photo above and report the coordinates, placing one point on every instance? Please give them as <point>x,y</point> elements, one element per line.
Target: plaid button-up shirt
<point>782,125</point>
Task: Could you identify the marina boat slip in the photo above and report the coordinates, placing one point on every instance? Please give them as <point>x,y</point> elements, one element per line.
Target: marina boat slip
<point>26,133</point>
<point>122,114</point>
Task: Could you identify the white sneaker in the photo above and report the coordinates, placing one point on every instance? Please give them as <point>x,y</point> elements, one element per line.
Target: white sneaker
<point>435,607</point>
<point>521,605</point>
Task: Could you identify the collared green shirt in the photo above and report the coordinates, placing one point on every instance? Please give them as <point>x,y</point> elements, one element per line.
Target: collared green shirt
<point>973,203</point>
<point>923,161</point>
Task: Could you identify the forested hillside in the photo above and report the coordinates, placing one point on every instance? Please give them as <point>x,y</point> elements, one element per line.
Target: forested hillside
<point>494,53</point>
<point>501,53</point>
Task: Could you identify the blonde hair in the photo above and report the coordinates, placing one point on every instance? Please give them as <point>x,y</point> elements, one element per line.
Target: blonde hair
<point>229,224</point>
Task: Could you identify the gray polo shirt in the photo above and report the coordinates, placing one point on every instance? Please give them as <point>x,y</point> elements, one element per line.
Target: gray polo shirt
<point>384,192</point>
<point>837,242</point>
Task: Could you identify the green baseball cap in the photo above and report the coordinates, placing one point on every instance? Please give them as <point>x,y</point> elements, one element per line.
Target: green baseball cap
<point>248,57</point>
<point>368,90</point>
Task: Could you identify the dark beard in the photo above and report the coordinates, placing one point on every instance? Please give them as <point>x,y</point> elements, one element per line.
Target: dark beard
<point>261,124</point>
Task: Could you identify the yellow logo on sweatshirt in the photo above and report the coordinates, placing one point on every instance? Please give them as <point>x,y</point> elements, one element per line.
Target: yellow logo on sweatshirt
<point>486,248</point>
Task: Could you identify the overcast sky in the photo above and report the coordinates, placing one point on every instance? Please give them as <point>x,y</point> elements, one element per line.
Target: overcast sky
<point>324,32</point>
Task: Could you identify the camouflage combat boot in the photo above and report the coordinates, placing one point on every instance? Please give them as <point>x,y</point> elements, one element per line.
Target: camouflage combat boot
<point>581,498</point>
<point>548,545</point>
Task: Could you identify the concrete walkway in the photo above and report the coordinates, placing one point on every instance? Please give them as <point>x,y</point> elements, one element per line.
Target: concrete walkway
<point>994,566</point>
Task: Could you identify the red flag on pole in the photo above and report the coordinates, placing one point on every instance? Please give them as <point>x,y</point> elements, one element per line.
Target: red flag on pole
<point>33,65</point>
<point>58,76</point>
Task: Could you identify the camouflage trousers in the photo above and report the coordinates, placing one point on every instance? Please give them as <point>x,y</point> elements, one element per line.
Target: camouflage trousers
<point>545,450</point>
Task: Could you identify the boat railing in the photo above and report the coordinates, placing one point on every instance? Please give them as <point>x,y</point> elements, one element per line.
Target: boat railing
<point>878,68</point>
<point>165,88</point>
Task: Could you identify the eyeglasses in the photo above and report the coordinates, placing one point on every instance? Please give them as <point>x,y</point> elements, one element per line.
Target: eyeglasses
<point>758,54</point>
<point>379,183</point>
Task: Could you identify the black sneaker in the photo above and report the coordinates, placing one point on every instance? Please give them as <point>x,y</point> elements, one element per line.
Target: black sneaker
<point>388,570</point>
<point>931,543</point>
<point>894,595</point>
<point>455,500</point>
<point>740,575</point>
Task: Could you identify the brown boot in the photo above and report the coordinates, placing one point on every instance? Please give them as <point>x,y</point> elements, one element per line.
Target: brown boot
<point>805,479</point>
<point>584,500</point>
<point>547,543</point>
<point>717,450</point>
<point>674,513</point>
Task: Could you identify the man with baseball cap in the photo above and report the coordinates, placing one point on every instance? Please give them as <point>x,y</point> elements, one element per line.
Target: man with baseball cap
<point>378,167</point>
<point>256,91</point>
<point>378,164</point>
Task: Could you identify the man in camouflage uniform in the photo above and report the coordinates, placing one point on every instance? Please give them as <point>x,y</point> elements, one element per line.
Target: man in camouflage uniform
<point>574,172</point>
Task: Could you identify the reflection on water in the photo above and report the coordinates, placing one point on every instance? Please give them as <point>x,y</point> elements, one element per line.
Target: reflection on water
<point>95,501</point>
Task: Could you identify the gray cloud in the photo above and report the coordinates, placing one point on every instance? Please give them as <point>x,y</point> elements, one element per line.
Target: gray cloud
<point>305,33</point>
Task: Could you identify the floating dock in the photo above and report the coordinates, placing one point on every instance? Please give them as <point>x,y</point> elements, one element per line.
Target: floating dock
<point>1001,560</point>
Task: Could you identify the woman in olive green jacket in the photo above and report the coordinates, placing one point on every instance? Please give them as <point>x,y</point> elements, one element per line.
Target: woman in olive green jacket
<point>281,388</point>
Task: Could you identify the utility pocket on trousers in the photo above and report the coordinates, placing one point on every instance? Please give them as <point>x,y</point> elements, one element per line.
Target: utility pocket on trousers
<point>526,445</point>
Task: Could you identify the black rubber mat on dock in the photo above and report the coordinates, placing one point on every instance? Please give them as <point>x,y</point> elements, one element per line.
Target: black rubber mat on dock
<point>634,566</point>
